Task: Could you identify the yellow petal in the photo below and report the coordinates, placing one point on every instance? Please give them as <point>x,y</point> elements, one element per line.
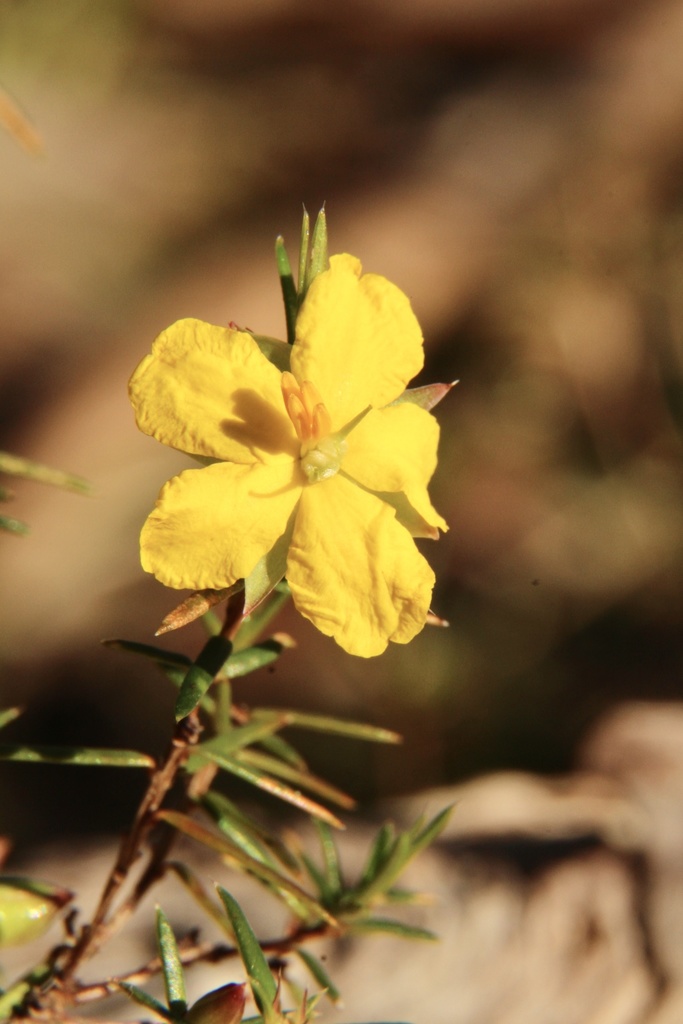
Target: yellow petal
<point>394,449</point>
<point>357,340</point>
<point>211,526</point>
<point>354,571</point>
<point>210,391</point>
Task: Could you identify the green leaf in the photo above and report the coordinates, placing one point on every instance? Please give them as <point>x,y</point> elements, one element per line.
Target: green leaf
<point>274,879</point>
<point>75,755</point>
<point>30,470</point>
<point>201,674</point>
<point>257,621</point>
<point>13,525</point>
<point>251,837</point>
<point>318,261</point>
<point>389,871</point>
<point>333,726</point>
<point>253,658</point>
<point>9,715</point>
<point>387,924</point>
<point>194,887</point>
<point>288,287</point>
<point>319,974</point>
<point>144,999</point>
<point>423,837</point>
<point>379,853</point>
<point>275,788</point>
<point>261,981</point>
<point>283,750</point>
<point>426,397</point>
<point>156,654</point>
<point>172,969</point>
<point>333,878</point>
<point>303,778</point>
<point>227,743</point>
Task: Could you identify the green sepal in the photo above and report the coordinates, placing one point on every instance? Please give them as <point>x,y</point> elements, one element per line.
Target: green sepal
<point>425,397</point>
<point>303,253</point>
<point>268,571</point>
<point>289,294</point>
<point>318,260</point>
<point>264,611</point>
<point>146,1000</point>
<point>201,674</point>
<point>28,908</point>
<point>261,981</point>
<point>276,352</point>
<point>172,968</point>
<point>75,755</point>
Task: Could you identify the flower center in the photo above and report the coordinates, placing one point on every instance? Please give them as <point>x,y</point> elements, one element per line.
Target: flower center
<point>321,451</point>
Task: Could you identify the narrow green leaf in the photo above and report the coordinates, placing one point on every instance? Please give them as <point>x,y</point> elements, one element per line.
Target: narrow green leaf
<point>261,981</point>
<point>9,715</point>
<point>283,750</point>
<point>275,788</point>
<point>318,261</point>
<point>379,853</point>
<point>274,879</point>
<point>425,836</point>
<point>386,924</point>
<point>333,876</point>
<point>334,726</point>
<point>30,470</point>
<point>238,737</point>
<point>389,871</point>
<point>144,999</point>
<point>319,974</point>
<point>75,755</point>
<point>318,879</point>
<point>253,838</point>
<point>253,658</point>
<point>304,779</point>
<point>303,254</point>
<point>195,888</point>
<point>176,675</point>
<point>156,654</point>
<point>289,295</point>
<point>257,621</point>
<point>174,981</point>
<point>201,674</point>
<point>13,526</point>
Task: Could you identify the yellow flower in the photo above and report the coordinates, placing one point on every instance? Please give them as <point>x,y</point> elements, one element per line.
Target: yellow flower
<point>322,475</point>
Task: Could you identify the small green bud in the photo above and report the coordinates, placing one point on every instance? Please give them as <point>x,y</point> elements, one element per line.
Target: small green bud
<point>28,908</point>
<point>224,1005</point>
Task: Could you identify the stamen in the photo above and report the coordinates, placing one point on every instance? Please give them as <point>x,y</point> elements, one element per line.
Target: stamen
<point>322,422</point>
<point>299,417</point>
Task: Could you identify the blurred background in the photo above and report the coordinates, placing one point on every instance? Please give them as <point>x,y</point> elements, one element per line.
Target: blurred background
<point>515,167</point>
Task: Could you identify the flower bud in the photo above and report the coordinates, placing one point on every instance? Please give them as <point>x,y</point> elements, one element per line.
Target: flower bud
<point>224,1005</point>
<point>27,908</point>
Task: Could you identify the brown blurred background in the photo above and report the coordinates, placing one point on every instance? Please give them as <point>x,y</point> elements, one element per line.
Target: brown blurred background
<point>513,165</point>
